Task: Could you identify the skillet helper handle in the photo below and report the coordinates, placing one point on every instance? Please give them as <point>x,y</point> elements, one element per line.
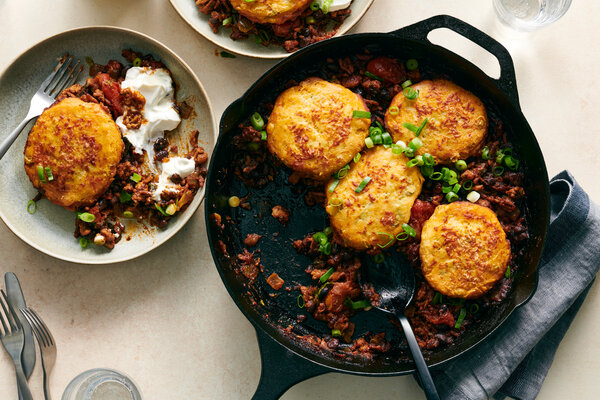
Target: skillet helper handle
<point>422,369</point>
<point>507,81</point>
<point>281,369</point>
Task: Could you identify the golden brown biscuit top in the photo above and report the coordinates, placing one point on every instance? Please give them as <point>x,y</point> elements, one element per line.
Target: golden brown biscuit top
<point>81,145</point>
<point>375,215</point>
<point>270,11</point>
<point>464,250</point>
<point>456,120</point>
<point>312,128</point>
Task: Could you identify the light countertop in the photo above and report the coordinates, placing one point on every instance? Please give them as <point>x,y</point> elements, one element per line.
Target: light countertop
<point>168,321</point>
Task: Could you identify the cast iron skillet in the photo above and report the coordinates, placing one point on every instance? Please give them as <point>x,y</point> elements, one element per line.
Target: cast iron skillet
<point>285,359</point>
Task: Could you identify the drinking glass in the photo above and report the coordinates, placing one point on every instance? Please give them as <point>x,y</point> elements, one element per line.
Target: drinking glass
<point>101,384</point>
<point>529,15</point>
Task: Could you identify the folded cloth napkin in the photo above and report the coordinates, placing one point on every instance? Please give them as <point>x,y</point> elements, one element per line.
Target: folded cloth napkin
<point>514,360</point>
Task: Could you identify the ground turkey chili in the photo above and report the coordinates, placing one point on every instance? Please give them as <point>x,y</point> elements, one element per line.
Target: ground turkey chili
<point>333,295</point>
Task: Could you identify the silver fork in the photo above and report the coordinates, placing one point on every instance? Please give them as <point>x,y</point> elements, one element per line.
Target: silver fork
<point>13,338</point>
<point>46,342</point>
<point>63,76</point>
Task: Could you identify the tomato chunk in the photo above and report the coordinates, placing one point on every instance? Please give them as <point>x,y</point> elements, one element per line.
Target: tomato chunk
<point>387,69</point>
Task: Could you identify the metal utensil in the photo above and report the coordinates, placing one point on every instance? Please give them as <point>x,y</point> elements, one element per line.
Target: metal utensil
<point>47,345</point>
<point>394,281</point>
<point>17,301</point>
<point>12,337</point>
<point>64,75</point>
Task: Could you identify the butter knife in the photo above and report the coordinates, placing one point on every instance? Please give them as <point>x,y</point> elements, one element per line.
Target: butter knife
<point>17,301</point>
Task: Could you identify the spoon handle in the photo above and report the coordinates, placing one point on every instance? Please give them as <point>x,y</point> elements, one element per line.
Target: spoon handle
<point>423,370</point>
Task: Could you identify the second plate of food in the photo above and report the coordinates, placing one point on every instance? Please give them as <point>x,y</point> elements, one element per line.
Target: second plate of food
<point>271,28</point>
<point>121,198</point>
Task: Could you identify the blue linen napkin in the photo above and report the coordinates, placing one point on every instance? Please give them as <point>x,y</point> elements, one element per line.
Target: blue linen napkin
<point>515,359</point>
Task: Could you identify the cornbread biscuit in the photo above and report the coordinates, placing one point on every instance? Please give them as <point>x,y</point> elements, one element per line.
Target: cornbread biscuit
<point>464,250</point>
<point>81,145</point>
<point>375,215</point>
<point>312,128</point>
<point>270,11</point>
<point>456,120</point>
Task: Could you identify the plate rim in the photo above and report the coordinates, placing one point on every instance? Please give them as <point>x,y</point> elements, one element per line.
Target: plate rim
<point>343,29</point>
<point>215,135</point>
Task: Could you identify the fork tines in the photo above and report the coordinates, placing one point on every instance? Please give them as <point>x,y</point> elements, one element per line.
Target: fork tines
<point>41,331</point>
<point>65,74</point>
<point>10,315</point>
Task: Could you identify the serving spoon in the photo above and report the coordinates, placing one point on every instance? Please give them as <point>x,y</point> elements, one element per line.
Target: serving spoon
<point>394,281</point>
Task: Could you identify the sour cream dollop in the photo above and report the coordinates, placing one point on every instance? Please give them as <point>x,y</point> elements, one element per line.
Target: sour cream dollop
<point>159,113</point>
<point>337,5</point>
<point>176,165</point>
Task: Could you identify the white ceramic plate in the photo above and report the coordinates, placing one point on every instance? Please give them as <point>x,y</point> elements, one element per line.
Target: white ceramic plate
<point>51,228</point>
<point>188,10</point>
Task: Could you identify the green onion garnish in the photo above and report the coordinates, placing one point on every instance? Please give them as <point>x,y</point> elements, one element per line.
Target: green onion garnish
<point>136,177</point>
<point>372,76</point>
<point>326,275</point>
<point>326,4</point>
<point>378,138</point>
<point>461,318</point>
<point>436,176</point>
<point>467,185</point>
<point>263,36</point>
<point>127,214</point>
<point>415,144</point>
<point>341,174</point>
<point>507,273</point>
<point>336,202</point>
<point>336,333</point>
<point>460,165</point>
<point>387,139</point>
<point>325,248</point>
<point>83,242</point>
<point>257,121</point>
<point>511,163</point>
<point>361,114</point>
<point>499,156</point>
<point>426,170</point>
<point>320,237</point>
<point>412,64</point>
<point>390,237</point>
<point>356,305</point>
<point>451,197</point>
<point>333,185</point>
<point>328,231</point>
<point>362,185</point>
<point>49,174</point>
<point>409,229</point>
<point>369,142</point>
<point>31,206</point>
<point>398,147</point>
<point>406,84</point>
<point>263,135</point>
<point>300,301</point>
<point>474,308</point>
<point>485,153</point>
<point>137,62</point>
<point>394,110</point>
<point>40,171</point>
<point>456,188</point>
<point>410,93</point>
<point>315,5</point>
<point>437,298</point>
<point>416,129</point>
<point>446,188</point>
<point>227,21</point>
<point>428,159</point>
<point>413,162</point>
<point>498,170</point>
<point>378,258</point>
<point>86,217</point>
<point>356,157</point>
<point>159,208</point>
<point>124,197</point>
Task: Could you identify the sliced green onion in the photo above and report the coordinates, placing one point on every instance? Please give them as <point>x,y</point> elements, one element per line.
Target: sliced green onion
<point>257,121</point>
<point>128,214</point>
<point>361,114</point>
<point>415,144</point>
<point>341,174</point>
<point>124,197</point>
<point>326,275</point>
<point>451,197</point>
<point>320,237</point>
<point>474,308</point>
<point>171,209</point>
<point>409,229</point>
<point>333,185</point>
<point>485,153</point>
<point>315,5</point>
<point>398,147</point>
<point>227,21</point>
<point>86,217</point>
<point>31,207</point>
<point>511,163</point>
<point>336,202</point>
<point>49,174</point>
<point>461,317</point>
<point>394,110</point>
<point>263,135</point>
<point>406,84</point>
<point>499,156</point>
<point>159,208</point>
<point>369,142</point>
<point>328,231</point>
<point>467,185</point>
<point>362,185</point>
<point>356,157</point>
<point>412,163</point>
<point>412,64</point>
<point>378,139</point>
<point>456,188</point>
<point>473,196</point>
<point>446,188</point>
<point>326,4</point>
<point>83,242</point>
<point>390,237</point>
<point>450,176</point>
<point>300,301</point>
<point>336,333</point>
<point>136,177</point>
<point>387,139</point>
<point>418,132</point>
<point>438,298</point>
<point>137,62</point>
<point>372,76</point>
<point>410,93</point>
<point>263,36</point>
<point>436,176</point>
<point>498,170</point>
<point>507,273</point>
<point>428,159</point>
<point>402,236</point>
<point>460,165</point>
<point>378,258</point>
<point>374,131</point>
<point>41,176</point>
<point>325,248</point>
<point>426,170</point>
<point>356,305</point>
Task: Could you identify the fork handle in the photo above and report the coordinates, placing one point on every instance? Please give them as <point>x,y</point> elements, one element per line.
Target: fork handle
<point>5,145</point>
<point>46,384</point>
<point>24,392</point>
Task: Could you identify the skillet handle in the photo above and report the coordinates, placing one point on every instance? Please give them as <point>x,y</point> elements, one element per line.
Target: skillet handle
<point>281,369</point>
<point>507,81</point>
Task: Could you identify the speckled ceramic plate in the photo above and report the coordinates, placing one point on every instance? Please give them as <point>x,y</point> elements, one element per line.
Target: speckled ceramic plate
<point>50,229</point>
<point>188,10</point>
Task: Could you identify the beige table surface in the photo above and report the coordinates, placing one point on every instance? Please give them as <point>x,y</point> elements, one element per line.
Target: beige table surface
<point>171,324</point>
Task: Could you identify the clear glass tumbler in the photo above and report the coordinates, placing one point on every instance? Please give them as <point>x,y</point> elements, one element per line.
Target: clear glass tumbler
<point>101,384</point>
<point>529,15</point>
